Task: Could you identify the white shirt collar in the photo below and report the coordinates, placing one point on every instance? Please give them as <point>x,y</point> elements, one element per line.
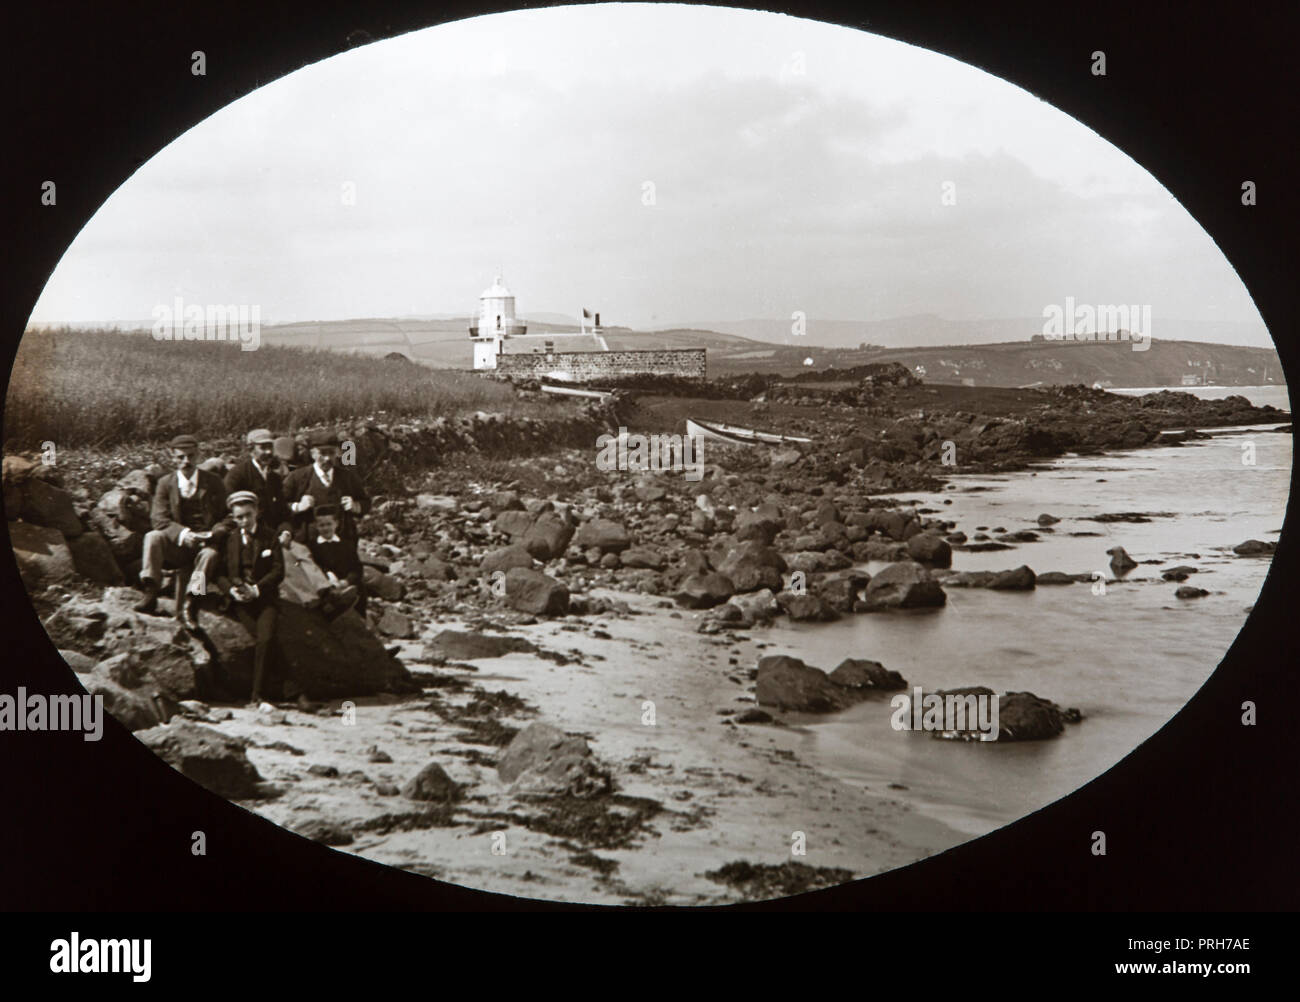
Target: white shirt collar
<point>322,476</point>
<point>187,485</point>
<point>331,539</point>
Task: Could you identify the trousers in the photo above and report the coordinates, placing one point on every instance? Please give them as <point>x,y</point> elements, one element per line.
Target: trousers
<point>193,566</point>
<point>259,618</point>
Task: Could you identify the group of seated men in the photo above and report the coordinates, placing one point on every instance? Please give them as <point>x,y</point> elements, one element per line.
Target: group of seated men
<point>227,541</point>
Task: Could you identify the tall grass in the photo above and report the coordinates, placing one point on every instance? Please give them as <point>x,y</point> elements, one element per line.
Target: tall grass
<point>79,387</point>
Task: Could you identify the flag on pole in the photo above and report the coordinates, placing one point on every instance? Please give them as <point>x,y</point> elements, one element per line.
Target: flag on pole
<point>586,313</point>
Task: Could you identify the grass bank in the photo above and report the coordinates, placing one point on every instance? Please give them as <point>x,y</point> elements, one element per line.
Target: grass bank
<point>96,388</point>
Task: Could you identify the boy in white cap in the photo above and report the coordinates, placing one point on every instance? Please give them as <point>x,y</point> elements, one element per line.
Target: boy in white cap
<point>250,574</point>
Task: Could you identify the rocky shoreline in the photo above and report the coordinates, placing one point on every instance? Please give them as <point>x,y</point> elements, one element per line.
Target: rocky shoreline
<point>532,705</point>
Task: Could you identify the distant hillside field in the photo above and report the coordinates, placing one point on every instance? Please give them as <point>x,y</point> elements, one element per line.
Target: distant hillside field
<point>443,343</point>
<point>1026,363</point>
<point>93,388</point>
<point>930,331</point>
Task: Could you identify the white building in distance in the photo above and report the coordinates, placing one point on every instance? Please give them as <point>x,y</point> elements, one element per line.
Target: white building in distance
<point>496,321</point>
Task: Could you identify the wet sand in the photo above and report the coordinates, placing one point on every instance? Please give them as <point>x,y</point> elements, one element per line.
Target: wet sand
<point>727,792</point>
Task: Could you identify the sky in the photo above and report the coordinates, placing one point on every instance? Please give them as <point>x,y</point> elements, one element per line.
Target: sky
<point>662,164</point>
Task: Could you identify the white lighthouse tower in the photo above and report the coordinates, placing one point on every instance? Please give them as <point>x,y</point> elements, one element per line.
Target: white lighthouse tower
<point>495,322</point>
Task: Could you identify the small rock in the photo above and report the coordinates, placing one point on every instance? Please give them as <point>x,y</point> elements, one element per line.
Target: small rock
<point>431,783</point>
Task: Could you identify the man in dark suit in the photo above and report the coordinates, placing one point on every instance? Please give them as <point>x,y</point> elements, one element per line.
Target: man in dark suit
<point>250,574</point>
<point>189,508</point>
<point>325,481</point>
<point>259,472</point>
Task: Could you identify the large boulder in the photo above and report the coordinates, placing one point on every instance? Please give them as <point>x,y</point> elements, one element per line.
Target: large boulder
<point>156,650</point>
<point>132,706</point>
<point>893,524</point>
<point>93,558</point>
<point>903,585</point>
<point>502,501</point>
<point>463,645</point>
<point>603,534</point>
<point>384,585</point>
<point>841,593</point>
<point>752,565</point>
<point>50,506</point>
<point>506,557</point>
<point>789,684</point>
<point>806,607</point>
<point>534,592</point>
<point>17,471</point>
<point>808,561</point>
<point>432,569</point>
<point>513,522</point>
<point>42,555</point>
<point>121,516</point>
<point>860,673</point>
<point>704,590</point>
<point>930,548</point>
<point>760,525</point>
<point>756,606</point>
<point>879,549</point>
<point>1018,579</point>
<point>393,623</point>
<point>542,759</point>
<point>639,556</point>
<point>319,658</point>
<point>214,760</point>
<point>549,535</point>
<point>1022,716</point>
<point>1120,561</point>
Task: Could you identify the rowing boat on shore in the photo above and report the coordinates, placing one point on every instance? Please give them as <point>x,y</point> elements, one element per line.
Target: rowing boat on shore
<point>733,435</point>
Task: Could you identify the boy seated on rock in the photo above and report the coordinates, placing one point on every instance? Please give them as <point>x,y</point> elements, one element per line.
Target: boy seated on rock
<point>250,574</point>
<point>338,559</point>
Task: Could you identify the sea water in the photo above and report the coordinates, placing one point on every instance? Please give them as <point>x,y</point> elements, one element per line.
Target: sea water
<point>1129,658</point>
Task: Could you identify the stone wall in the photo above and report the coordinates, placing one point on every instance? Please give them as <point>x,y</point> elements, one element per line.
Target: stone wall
<point>582,366</point>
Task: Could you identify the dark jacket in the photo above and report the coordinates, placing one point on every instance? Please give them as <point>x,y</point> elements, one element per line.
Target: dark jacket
<point>267,569</point>
<point>272,508</point>
<point>211,497</point>
<point>346,483</point>
<point>340,557</point>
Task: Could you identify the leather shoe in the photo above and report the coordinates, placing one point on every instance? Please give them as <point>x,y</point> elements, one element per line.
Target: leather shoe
<point>149,603</point>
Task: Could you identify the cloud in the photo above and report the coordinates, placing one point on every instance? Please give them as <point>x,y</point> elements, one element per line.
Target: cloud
<point>530,141</point>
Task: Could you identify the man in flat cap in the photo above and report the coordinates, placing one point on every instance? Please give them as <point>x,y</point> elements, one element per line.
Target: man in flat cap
<point>325,481</point>
<point>189,506</point>
<point>259,472</point>
<point>287,453</point>
<point>249,572</point>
